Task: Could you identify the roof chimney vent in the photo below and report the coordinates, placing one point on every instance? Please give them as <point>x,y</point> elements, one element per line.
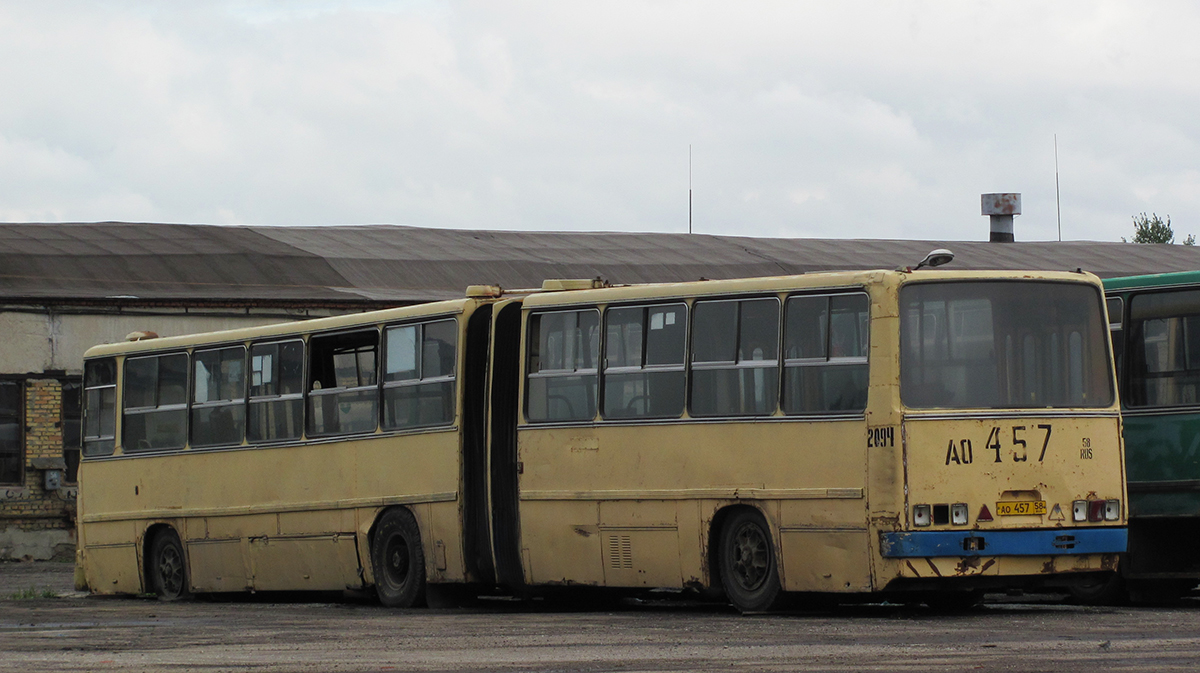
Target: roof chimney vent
<point>1001,208</point>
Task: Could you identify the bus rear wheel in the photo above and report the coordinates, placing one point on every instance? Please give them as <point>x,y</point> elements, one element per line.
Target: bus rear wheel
<point>398,560</point>
<point>749,572</point>
<point>168,571</point>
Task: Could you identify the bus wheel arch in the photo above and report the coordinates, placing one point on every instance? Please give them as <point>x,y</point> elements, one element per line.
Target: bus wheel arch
<point>743,558</point>
<point>166,570</point>
<point>398,559</point>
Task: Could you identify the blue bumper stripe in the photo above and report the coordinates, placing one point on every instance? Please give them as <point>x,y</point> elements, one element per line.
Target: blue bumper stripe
<point>1057,542</point>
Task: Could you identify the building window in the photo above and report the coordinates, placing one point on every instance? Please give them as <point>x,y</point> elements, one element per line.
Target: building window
<point>12,435</point>
<point>72,422</point>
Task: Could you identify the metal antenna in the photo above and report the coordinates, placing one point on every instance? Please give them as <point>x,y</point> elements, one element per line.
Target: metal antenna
<point>689,188</point>
<point>1057,196</point>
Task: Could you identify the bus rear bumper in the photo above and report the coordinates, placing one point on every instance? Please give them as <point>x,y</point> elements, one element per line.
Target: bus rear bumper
<point>1055,542</point>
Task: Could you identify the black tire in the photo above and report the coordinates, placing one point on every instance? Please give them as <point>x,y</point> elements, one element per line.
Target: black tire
<point>1158,592</point>
<point>1110,590</point>
<point>746,556</point>
<point>168,567</point>
<point>954,601</point>
<point>398,560</point>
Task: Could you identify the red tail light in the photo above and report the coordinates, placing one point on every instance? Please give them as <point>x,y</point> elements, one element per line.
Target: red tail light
<point>1095,510</point>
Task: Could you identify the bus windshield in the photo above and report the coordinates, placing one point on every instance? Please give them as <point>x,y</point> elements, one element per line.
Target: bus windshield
<point>1003,345</point>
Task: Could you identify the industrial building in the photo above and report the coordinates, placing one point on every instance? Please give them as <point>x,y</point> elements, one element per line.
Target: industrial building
<point>66,287</point>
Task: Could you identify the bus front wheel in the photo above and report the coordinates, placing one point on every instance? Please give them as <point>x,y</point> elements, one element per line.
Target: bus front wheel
<point>747,561</point>
<point>398,560</point>
<point>168,571</point>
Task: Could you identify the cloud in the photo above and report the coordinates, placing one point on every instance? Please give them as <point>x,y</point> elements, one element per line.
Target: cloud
<point>854,119</point>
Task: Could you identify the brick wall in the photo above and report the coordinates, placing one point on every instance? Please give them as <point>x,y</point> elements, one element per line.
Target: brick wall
<point>30,507</point>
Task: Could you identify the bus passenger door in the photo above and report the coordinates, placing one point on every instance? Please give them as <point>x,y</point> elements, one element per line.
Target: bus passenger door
<point>477,546</point>
<point>505,371</point>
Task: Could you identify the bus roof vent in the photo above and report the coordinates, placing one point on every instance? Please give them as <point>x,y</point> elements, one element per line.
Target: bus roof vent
<point>560,284</point>
<point>141,335</point>
<point>483,291</point>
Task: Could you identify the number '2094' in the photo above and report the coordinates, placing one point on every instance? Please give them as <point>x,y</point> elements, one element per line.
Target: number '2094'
<point>962,452</point>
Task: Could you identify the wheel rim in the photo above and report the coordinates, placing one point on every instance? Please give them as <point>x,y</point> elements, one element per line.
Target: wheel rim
<point>751,560</point>
<point>170,571</point>
<point>396,561</point>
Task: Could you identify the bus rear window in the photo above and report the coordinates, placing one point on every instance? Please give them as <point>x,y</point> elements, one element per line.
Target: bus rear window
<point>1003,345</point>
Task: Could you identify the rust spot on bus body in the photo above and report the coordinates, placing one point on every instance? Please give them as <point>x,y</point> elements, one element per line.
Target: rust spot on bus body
<point>887,522</point>
<point>966,565</point>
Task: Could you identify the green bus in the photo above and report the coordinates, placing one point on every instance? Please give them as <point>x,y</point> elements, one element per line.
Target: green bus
<point>1155,326</point>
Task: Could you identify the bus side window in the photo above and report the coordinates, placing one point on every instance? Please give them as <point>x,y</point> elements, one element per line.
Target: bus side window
<point>825,346</point>
<point>99,407</point>
<point>218,396</point>
<point>735,357</point>
<point>276,408</point>
<point>343,397</point>
<point>1163,351</point>
<point>644,361</point>
<point>563,350</point>
<point>155,395</point>
<point>418,378</point>
<point>1116,330</point>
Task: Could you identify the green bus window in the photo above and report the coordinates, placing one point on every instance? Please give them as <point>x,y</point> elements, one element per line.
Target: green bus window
<point>564,347</point>
<point>276,406</point>
<point>735,357</point>
<point>343,397</point>
<point>155,414</point>
<point>825,345</point>
<point>644,361</point>
<point>99,407</point>
<point>418,377</point>
<point>218,396</point>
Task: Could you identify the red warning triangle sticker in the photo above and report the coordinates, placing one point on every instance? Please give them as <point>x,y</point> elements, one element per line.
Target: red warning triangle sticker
<point>1056,514</point>
<point>984,514</point>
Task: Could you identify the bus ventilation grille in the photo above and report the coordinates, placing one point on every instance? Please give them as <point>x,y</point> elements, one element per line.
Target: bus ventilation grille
<point>620,552</point>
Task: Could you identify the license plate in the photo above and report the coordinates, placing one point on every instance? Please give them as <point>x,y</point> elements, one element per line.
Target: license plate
<point>1013,508</point>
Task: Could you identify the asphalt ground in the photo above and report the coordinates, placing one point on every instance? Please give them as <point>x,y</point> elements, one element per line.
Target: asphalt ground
<point>45,625</point>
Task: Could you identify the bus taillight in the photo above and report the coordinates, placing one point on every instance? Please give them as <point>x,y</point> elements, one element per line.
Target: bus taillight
<point>1112,510</point>
<point>1096,510</point>
<point>922,515</point>
<point>958,514</point>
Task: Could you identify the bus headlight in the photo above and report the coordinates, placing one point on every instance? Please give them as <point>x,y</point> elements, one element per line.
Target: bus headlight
<point>1079,510</point>
<point>1112,510</point>
<point>958,514</point>
<point>922,515</point>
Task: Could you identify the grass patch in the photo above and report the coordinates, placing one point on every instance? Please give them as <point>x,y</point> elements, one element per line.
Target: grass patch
<point>33,593</point>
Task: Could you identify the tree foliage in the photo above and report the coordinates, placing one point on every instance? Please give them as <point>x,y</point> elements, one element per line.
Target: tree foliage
<point>1152,229</point>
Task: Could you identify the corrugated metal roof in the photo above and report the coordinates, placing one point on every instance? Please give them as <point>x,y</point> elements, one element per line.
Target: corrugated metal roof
<point>395,264</point>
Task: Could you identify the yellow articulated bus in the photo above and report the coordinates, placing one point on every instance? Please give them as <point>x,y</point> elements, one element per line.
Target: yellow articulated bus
<point>928,434</point>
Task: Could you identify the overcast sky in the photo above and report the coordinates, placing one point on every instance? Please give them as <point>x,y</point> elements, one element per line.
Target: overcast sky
<point>831,119</point>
